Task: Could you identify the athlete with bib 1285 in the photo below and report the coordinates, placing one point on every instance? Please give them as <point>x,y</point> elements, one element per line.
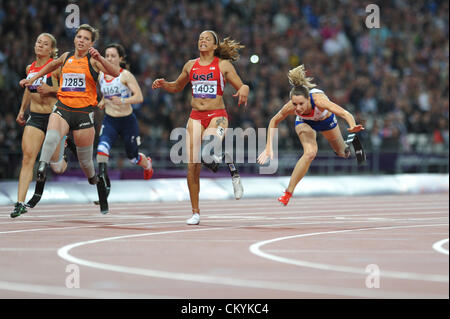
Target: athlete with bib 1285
<point>77,97</point>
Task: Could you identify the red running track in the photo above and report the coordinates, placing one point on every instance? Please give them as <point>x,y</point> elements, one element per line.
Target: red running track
<point>321,247</point>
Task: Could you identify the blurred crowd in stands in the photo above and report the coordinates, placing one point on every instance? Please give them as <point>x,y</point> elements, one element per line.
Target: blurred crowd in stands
<point>394,79</point>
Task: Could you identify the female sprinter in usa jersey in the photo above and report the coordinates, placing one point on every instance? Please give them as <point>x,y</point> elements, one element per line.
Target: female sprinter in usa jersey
<point>314,113</point>
<point>208,75</point>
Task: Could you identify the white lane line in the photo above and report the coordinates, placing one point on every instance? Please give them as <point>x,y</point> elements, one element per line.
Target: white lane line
<point>231,205</point>
<point>438,246</point>
<point>89,226</point>
<point>73,292</point>
<point>225,212</point>
<point>256,249</point>
<point>63,252</point>
<point>354,206</point>
<point>219,219</point>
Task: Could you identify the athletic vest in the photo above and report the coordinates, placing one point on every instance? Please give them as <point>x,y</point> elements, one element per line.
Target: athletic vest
<point>207,80</point>
<point>47,79</point>
<point>113,87</point>
<point>77,87</point>
<point>316,114</point>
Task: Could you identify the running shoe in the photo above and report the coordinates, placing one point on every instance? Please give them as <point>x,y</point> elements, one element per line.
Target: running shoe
<point>19,209</point>
<point>194,220</point>
<point>148,173</point>
<point>285,198</point>
<point>237,186</point>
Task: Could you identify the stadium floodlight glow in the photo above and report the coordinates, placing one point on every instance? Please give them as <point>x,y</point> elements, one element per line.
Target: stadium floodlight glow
<point>254,58</point>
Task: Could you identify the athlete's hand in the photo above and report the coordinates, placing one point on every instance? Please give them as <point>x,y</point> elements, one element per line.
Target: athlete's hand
<point>45,90</point>
<point>20,119</point>
<point>95,54</point>
<point>101,104</point>
<point>25,82</point>
<point>262,158</point>
<point>355,129</point>
<point>158,83</point>
<point>242,94</point>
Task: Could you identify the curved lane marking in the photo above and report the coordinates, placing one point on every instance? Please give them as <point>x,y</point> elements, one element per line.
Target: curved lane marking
<point>64,253</point>
<point>256,249</point>
<point>438,246</point>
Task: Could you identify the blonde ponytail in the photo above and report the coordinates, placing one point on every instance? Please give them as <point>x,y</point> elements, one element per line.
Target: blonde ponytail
<point>297,77</point>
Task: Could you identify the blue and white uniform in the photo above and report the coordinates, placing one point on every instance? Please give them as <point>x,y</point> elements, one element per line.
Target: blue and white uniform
<point>125,126</point>
<point>113,87</point>
<point>317,119</point>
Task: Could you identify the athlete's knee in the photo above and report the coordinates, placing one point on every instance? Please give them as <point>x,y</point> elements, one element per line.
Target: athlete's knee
<point>310,155</point>
<point>28,159</point>
<point>194,168</point>
<point>52,138</point>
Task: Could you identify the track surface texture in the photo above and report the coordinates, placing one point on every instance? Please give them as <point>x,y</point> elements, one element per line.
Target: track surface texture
<point>318,247</point>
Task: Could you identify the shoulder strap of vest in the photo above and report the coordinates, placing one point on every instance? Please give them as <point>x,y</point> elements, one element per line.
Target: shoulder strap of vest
<point>312,101</point>
<point>94,73</point>
<point>71,53</point>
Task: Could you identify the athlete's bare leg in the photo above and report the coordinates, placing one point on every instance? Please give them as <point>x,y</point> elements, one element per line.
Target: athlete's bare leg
<point>307,138</point>
<point>337,143</point>
<point>195,131</point>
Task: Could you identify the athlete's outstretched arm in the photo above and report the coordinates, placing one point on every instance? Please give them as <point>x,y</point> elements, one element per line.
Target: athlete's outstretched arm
<point>47,90</point>
<point>49,68</point>
<point>177,85</point>
<point>324,103</point>
<point>286,110</point>
<point>102,64</point>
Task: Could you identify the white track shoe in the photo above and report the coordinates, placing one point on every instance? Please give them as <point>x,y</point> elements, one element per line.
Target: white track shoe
<point>194,220</point>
